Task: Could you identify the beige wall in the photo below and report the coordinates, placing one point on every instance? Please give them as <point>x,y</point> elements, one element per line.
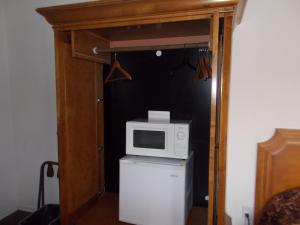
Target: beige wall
<point>27,103</point>
<point>265,90</point>
<point>8,185</point>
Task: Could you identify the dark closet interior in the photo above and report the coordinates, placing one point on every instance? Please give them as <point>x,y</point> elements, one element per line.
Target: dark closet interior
<point>158,84</point>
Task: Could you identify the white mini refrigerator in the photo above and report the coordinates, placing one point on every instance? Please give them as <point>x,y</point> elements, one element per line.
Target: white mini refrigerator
<point>155,191</point>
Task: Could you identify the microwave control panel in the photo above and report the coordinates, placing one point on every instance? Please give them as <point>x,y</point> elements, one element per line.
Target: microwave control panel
<point>181,139</point>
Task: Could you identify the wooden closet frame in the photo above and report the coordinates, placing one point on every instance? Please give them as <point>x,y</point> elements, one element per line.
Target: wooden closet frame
<point>117,13</point>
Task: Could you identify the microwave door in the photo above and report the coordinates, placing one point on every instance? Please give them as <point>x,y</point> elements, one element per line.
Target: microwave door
<point>149,139</point>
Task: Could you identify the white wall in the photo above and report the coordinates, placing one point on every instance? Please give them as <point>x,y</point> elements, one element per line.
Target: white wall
<point>265,90</point>
<point>27,103</point>
<point>8,191</point>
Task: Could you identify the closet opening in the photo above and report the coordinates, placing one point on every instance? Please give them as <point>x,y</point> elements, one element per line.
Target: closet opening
<point>161,83</point>
<point>169,68</point>
<point>163,60</point>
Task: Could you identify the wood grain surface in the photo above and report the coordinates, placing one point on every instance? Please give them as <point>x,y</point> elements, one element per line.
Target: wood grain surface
<point>213,118</point>
<point>224,104</point>
<point>83,43</point>
<point>105,212</point>
<point>77,128</point>
<point>116,13</point>
<point>277,167</point>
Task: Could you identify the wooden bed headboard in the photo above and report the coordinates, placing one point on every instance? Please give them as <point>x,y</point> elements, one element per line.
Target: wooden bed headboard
<point>278,167</point>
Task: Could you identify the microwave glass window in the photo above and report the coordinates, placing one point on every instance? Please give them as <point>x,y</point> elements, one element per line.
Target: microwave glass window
<point>149,139</point>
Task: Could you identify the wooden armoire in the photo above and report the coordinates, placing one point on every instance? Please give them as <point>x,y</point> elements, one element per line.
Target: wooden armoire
<point>85,36</point>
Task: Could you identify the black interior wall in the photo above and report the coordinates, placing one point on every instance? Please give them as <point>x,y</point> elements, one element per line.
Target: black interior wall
<point>156,86</point>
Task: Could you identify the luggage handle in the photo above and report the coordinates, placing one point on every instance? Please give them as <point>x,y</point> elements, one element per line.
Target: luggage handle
<point>50,173</point>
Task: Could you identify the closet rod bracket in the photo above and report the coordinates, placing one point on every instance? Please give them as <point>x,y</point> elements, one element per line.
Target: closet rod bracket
<point>95,50</point>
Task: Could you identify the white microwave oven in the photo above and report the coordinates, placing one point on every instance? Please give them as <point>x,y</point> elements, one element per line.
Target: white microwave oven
<point>159,139</point>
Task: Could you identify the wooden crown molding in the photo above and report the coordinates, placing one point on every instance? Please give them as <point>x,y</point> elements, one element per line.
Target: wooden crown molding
<point>109,13</point>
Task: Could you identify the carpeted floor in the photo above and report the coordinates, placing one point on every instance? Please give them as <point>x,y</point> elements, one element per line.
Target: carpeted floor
<point>14,218</point>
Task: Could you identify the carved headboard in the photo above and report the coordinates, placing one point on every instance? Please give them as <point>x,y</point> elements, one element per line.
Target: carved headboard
<point>278,167</point>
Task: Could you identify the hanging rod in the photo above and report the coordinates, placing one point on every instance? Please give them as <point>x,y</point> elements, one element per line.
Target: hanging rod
<point>97,50</point>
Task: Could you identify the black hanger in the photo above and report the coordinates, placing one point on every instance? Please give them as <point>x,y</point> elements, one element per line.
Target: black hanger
<point>185,63</point>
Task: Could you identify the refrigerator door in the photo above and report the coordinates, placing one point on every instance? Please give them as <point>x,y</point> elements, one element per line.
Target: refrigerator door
<point>152,193</point>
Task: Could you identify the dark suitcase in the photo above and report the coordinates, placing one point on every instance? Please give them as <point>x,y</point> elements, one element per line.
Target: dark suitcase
<point>45,214</point>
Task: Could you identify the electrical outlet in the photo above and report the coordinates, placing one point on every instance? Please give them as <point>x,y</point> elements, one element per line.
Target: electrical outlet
<point>247,210</point>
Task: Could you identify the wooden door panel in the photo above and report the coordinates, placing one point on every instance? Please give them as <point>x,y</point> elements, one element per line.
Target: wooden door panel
<point>81,129</point>
<point>214,45</point>
<point>100,126</point>
<point>221,47</point>
<point>223,114</point>
<point>77,92</point>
